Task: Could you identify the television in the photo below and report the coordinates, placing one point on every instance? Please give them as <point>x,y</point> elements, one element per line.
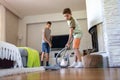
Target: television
<point>59,41</point>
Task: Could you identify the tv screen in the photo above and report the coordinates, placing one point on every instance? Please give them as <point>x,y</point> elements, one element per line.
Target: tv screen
<point>59,41</point>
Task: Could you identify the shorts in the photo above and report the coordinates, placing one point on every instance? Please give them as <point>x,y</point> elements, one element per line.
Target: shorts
<point>76,43</point>
<point>45,48</point>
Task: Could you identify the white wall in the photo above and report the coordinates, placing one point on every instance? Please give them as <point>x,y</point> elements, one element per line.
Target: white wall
<point>34,32</point>
<point>101,43</point>
<point>94,12</point>
<point>43,18</point>
<point>30,21</point>
<point>95,17</point>
<point>53,17</point>
<point>8,26</point>
<point>112,30</point>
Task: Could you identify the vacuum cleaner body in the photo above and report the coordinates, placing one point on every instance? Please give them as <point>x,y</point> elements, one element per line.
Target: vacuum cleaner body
<point>63,60</point>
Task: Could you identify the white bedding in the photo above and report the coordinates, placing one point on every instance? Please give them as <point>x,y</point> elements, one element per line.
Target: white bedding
<point>10,52</point>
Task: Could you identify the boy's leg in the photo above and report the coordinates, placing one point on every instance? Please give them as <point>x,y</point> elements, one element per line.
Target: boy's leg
<point>76,58</point>
<point>47,50</point>
<point>43,54</point>
<point>78,55</point>
<point>42,58</point>
<point>74,62</point>
<point>76,44</point>
<point>47,59</point>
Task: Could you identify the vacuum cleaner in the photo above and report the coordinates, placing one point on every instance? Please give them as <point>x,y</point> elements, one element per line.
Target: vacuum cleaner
<point>62,60</point>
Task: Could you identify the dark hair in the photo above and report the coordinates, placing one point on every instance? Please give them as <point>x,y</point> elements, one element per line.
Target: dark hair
<point>67,11</point>
<point>49,22</point>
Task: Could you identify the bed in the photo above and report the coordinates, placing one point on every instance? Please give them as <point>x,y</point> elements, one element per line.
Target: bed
<point>9,52</point>
<point>30,57</point>
<point>18,57</point>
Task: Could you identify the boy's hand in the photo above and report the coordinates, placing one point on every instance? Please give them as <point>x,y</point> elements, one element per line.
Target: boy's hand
<point>50,44</point>
<point>67,45</point>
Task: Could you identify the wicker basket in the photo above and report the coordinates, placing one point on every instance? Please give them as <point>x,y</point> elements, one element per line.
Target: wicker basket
<point>92,61</point>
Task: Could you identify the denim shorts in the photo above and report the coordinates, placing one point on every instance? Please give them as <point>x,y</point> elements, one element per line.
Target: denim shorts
<point>45,48</point>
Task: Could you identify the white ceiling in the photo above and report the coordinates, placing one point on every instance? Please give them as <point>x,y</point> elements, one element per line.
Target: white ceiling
<point>35,7</point>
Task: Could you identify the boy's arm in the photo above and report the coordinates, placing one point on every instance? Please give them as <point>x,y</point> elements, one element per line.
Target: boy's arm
<point>72,27</point>
<point>70,37</point>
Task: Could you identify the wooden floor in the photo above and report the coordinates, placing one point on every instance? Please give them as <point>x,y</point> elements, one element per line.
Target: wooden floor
<point>70,74</point>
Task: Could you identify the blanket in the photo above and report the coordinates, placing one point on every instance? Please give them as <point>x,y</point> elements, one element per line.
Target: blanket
<point>33,57</point>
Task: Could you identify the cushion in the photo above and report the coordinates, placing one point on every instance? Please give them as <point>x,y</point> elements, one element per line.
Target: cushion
<point>23,52</point>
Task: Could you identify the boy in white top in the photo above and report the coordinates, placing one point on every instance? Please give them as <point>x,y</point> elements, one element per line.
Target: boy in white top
<point>75,34</point>
<point>46,43</point>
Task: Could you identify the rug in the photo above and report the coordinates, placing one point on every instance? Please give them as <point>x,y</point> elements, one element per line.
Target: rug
<point>13,71</point>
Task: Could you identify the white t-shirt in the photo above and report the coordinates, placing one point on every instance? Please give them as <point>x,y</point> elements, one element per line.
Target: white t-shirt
<point>73,23</point>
